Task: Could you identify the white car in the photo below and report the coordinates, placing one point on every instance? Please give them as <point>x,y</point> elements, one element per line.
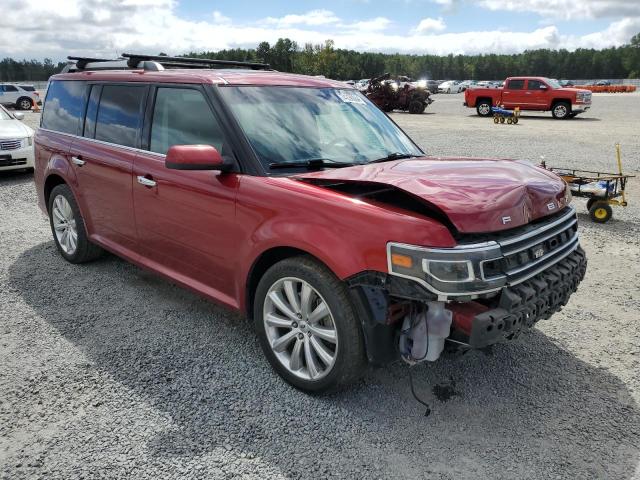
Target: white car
<point>22,97</point>
<point>16,142</point>
<point>451,86</point>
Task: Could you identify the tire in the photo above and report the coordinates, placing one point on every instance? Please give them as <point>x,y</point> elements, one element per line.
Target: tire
<point>501,119</point>
<point>347,353</point>
<point>590,203</point>
<point>81,249</point>
<point>561,110</point>
<point>600,212</point>
<point>484,108</point>
<point>509,120</point>
<point>515,120</point>
<point>496,119</point>
<point>416,106</point>
<point>24,103</point>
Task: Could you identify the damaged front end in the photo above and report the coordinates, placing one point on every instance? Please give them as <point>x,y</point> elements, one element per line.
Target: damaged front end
<point>489,290</point>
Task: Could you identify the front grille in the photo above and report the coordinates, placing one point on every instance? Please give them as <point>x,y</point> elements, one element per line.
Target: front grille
<point>10,144</point>
<point>529,253</point>
<point>10,162</point>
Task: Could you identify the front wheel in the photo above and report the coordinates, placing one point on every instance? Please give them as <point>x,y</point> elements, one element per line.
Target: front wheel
<point>600,212</point>
<point>561,110</point>
<point>416,106</point>
<point>307,326</point>
<point>483,108</point>
<point>67,226</point>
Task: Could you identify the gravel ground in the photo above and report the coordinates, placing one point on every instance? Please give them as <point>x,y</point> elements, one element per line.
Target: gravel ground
<point>107,371</point>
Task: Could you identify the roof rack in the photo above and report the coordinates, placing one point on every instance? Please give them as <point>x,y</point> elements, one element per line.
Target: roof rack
<point>129,61</point>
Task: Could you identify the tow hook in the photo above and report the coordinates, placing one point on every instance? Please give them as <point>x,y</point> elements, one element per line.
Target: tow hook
<point>423,333</point>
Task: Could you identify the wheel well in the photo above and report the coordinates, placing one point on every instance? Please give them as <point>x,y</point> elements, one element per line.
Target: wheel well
<point>265,261</point>
<point>560,100</point>
<point>50,183</point>
<point>24,96</point>
<point>488,99</point>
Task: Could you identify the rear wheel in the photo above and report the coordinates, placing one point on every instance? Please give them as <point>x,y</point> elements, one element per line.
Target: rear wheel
<point>483,108</point>
<point>68,228</point>
<point>307,326</point>
<point>561,110</point>
<point>501,119</point>
<point>416,106</point>
<point>24,103</point>
<point>600,212</point>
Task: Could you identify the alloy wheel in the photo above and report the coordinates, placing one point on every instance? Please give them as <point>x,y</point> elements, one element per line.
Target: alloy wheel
<point>300,328</point>
<point>484,109</point>
<point>64,225</point>
<point>560,111</point>
<point>25,104</point>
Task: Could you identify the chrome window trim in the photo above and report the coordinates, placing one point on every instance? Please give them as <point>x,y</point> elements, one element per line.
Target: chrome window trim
<point>102,142</point>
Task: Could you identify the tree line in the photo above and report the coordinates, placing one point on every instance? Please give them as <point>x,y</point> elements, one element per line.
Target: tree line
<point>324,59</point>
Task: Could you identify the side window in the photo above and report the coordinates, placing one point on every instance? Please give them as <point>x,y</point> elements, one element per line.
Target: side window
<point>92,109</point>
<point>64,106</point>
<point>534,85</point>
<point>28,88</point>
<point>119,114</point>
<point>515,85</point>
<point>10,88</point>
<point>182,116</point>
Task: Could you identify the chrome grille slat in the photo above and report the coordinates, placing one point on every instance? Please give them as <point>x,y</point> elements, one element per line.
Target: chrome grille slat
<point>526,255</point>
<point>10,144</point>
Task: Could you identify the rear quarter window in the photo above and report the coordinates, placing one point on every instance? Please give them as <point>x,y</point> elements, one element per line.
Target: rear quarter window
<point>64,106</point>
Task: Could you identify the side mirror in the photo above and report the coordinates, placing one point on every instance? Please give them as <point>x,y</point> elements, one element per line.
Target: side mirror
<point>195,157</point>
<point>18,115</point>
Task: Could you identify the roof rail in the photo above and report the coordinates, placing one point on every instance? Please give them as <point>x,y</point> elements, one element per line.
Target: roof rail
<point>128,61</point>
<point>134,58</point>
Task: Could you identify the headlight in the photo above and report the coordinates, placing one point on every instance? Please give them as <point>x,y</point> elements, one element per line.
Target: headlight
<point>27,141</point>
<point>422,83</point>
<point>458,271</point>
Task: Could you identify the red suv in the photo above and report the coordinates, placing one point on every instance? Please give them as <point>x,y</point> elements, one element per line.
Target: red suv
<point>296,201</point>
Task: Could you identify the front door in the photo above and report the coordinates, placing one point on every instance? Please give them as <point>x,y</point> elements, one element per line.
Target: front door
<point>103,161</point>
<point>186,219</point>
<point>538,93</point>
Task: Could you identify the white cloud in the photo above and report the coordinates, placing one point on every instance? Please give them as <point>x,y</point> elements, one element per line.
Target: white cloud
<point>219,18</point>
<point>430,25</point>
<point>109,27</point>
<point>312,18</point>
<point>567,9</point>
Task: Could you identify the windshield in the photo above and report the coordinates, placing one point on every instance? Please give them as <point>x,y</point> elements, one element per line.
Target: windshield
<point>295,125</point>
<point>553,83</point>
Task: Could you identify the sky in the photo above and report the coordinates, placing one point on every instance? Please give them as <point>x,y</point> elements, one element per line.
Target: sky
<point>57,28</point>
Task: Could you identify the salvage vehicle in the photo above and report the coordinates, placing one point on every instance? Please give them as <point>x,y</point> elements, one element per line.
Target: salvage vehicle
<point>530,93</point>
<point>299,203</point>
<point>400,94</point>
<point>16,142</point>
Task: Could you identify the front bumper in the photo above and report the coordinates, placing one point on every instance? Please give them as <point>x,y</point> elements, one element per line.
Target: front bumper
<point>580,107</point>
<point>520,307</point>
<point>16,159</point>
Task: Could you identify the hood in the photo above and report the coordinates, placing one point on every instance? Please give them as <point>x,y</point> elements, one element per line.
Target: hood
<point>476,195</point>
<point>574,90</point>
<point>10,129</point>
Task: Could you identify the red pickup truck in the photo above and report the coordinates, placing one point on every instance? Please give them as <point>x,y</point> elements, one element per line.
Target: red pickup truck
<point>530,93</point>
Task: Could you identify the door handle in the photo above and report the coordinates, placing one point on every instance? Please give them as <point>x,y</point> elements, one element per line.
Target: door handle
<point>78,161</point>
<point>147,182</point>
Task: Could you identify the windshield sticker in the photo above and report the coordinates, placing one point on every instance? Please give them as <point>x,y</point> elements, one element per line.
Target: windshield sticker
<point>350,96</point>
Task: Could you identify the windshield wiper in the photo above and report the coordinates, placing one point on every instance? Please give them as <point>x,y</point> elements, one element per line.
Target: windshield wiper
<point>312,163</point>
<point>393,156</point>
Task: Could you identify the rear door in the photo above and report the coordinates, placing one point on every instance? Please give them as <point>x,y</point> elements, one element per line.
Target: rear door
<point>514,94</point>
<point>9,94</point>
<point>186,219</point>
<point>103,160</point>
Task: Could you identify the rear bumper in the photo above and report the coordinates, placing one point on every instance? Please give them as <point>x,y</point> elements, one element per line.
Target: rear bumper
<point>518,308</point>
